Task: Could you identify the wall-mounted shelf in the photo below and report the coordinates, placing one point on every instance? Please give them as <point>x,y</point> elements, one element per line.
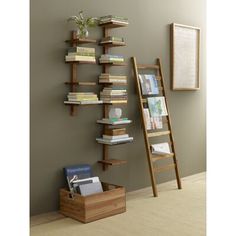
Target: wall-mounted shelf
<point>82,62</point>
<point>113,25</point>
<point>112,162</point>
<point>113,63</point>
<point>74,83</point>
<point>81,40</point>
<point>106,65</point>
<point>112,44</point>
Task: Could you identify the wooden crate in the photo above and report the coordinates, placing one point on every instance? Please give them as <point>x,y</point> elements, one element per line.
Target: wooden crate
<point>93,207</point>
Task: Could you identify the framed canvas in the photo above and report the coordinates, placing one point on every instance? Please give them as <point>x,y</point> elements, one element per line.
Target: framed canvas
<point>185,57</point>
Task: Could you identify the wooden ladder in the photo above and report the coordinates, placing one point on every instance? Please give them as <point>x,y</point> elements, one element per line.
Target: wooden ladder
<point>147,135</point>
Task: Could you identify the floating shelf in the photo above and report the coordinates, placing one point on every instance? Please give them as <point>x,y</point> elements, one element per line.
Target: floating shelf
<point>82,62</point>
<point>112,162</point>
<point>82,83</point>
<point>113,63</point>
<point>81,40</point>
<point>113,25</point>
<point>115,103</point>
<point>78,103</point>
<point>125,123</point>
<point>118,143</point>
<point>112,44</point>
<point>112,83</point>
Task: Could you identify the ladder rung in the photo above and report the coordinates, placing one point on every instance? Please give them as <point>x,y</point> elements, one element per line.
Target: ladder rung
<point>147,66</point>
<point>158,77</point>
<point>164,168</point>
<point>160,157</point>
<point>156,134</point>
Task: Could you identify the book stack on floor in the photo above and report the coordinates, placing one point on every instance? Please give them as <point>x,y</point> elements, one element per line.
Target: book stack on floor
<point>113,95</point>
<point>115,136</point>
<point>108,58</point>
<point>107,78</point>
<point>79,179</point>
<point>82,98</point>
<point>82,54</point>
<point>113,19</point>
<point>112,39</point>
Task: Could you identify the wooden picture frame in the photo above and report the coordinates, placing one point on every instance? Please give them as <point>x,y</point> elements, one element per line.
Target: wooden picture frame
<point>185,57</point>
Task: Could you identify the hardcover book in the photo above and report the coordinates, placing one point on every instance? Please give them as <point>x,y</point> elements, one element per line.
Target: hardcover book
<point>76,172</point>
<point>157,106</point>
<point>149,84</point>
<point>160,148</point>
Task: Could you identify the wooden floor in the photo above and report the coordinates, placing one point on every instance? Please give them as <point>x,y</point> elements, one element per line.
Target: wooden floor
<point>174,213</point>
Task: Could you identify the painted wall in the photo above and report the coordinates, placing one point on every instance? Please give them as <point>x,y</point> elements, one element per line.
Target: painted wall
<point>58,140</point>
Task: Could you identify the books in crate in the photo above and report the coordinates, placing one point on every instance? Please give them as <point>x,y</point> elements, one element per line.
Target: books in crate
<point>115,136</point>
<point>113,19</point>
<point>113,95</point>
<point>107,78</point>
<point>82,98</point>
<point>109,58</point>
<point>79,179</point>
<point>82,54</point>
<point>114,121</point>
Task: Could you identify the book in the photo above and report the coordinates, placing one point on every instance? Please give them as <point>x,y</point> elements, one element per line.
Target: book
<point>156,122</point>
<point>157,106</point>
<point>149,84</point>
<point>111,137</point>
<point>160,148</point>
<point>83,102</point>
<point>76,172</point>
<point>80,58</point>
<point>77,183</point>
<point>109,122</point>
<point>114,132</point>
<point>81,49</point>
<point>91,188</point>
<point>147,118</point>
<point>112,142</point>
<point>87,54</point>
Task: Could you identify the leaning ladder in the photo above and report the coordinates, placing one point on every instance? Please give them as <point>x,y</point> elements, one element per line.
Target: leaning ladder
<point>152,158</point>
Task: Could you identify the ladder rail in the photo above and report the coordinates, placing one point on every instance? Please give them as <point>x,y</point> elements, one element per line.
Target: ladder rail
<point>169,126</point>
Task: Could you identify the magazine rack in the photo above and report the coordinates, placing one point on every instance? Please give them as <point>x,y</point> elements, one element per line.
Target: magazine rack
<point>155,133</point>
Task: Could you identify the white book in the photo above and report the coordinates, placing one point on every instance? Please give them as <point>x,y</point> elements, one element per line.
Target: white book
<point>80,58</point>
<point>116,137</point>
<point>111,142</point>
<point>83,102</point>
<point>114,122</point>
<point>93,179</point>
<point>160,148</point>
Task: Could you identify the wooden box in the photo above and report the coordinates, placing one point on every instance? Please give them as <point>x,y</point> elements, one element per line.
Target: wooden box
<point>93,207</point>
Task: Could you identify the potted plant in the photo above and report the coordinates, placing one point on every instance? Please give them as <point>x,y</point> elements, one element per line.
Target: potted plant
<point>83,24</point>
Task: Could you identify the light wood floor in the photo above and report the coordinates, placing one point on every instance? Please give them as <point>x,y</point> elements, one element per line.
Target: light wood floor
<point>173,213</point>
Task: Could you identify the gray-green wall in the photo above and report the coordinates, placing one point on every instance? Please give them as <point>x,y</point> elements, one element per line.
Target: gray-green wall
<point>58,140</point>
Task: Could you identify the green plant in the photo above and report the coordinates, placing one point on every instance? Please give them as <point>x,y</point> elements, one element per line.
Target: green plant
<point>83,23</point>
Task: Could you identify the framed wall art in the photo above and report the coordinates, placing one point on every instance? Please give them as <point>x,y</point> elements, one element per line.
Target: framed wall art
<point>185,57</point>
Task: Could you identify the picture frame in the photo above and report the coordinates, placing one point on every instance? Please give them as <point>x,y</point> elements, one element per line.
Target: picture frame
<point>185,57</point>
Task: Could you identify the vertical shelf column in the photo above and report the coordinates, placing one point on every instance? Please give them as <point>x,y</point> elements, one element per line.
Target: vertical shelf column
<point>105,69</point>
<point>73,77</point>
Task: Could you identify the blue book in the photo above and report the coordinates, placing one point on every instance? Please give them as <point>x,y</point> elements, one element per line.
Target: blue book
<point>149,84</point>
<point>77,172</point>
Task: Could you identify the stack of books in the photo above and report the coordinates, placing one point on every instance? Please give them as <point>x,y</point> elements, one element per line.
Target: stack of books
<point>112,39</point>
<point>83,98</point>
<point>81,54</point>
<point>113,95</point>
<point>107,78</point>
<point>113,19</point>
<point>115,136</point>
<point>106,58</point>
